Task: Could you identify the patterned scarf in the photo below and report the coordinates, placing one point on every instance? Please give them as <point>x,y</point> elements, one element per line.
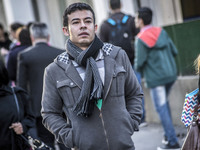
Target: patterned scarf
<point>92,87</point>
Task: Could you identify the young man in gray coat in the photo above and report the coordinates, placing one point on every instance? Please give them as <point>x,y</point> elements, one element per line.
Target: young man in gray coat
<point>93,83</point>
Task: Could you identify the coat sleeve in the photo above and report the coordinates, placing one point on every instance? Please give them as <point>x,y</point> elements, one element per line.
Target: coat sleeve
<point>52,112</point>
<point>140,55</point>
<point>133,94</point>
<point>11,66</point>
<point>21,72</point>
<point>28,120</point>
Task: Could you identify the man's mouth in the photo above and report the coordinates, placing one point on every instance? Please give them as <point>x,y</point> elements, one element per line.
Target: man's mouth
<point>83,34</point>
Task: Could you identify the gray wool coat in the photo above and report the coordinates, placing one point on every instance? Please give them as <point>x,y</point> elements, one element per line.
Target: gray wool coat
<point>111,127</point>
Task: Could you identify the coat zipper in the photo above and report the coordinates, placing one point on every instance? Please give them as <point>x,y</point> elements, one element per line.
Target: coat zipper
<point>101,116</point>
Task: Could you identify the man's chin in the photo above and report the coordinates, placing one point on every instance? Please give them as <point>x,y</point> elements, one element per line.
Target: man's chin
<point>85,42</point>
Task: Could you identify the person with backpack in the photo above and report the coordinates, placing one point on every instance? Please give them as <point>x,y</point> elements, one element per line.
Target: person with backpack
<point>119,29</point>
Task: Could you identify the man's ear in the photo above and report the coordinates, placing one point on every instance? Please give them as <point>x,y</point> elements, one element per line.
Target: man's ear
<point>141,22</point>
<point>95,28</point>
<point>65,31</point>
<point>48,38</point>
<point>32,39</point>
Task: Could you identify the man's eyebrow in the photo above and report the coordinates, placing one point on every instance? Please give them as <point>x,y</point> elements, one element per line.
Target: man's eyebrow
<point>87,18</point>
<point>75,19</point>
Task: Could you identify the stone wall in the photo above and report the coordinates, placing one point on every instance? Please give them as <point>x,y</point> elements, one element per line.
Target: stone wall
<point>182,86</point>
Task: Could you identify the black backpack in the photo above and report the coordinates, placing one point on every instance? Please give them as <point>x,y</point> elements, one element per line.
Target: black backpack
<point>120,35</point>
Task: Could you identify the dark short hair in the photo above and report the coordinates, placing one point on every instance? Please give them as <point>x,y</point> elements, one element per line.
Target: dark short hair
<point>4,79</point>
<point>24,37</point>
<point>115,4</point>
<point>74,7</point>
<point>16,25</point>
<point>145,14</point>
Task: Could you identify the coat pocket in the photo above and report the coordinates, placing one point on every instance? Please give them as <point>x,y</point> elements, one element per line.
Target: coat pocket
<point>69,92</point>
<point>117,88</point>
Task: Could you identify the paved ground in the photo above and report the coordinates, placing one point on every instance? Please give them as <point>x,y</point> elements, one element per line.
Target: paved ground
<point>149,137</point>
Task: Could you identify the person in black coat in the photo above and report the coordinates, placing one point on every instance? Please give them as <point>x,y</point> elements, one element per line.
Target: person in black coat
<point>31,65</point>
<point>12,123</point>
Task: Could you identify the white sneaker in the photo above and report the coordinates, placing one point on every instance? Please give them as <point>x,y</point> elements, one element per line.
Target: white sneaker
<point>169,147</point>
<point>143,124</point>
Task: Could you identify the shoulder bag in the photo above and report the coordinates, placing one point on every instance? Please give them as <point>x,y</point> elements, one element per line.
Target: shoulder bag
<point>27,141</point>
<point>192,140</point>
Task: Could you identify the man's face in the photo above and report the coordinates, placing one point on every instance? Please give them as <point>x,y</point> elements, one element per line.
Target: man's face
<point>137,21</point>
<point>81,28</point>
<point>12,34</point>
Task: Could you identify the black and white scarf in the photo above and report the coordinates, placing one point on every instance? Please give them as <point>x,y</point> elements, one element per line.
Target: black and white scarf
<point>92,88</point>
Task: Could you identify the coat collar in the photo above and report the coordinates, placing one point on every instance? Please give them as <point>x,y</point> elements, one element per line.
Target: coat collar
<point>109,54</point>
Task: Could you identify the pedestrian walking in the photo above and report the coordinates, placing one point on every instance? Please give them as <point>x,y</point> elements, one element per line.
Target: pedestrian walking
<point>155,54</point>
<point>119,29</point>
<point>31,65</point>
<point>94,84</point>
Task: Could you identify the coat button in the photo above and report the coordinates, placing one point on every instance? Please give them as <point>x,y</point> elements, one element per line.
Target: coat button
<point>71,83</point>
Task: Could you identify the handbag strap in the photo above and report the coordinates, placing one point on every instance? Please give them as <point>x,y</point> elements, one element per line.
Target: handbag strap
<point>195,116</point>
<point>36,143</point>
<point>18,113</point>
<point>16,102</point>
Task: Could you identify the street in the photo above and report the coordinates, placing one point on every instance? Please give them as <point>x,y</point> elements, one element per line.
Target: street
<point>149,137</point>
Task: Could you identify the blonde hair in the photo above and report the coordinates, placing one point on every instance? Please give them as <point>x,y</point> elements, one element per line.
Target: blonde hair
<point>197,64</point>
<point>17,32</point>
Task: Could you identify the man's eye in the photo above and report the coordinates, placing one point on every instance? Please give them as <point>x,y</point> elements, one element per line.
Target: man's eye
<point>88,21</point>
<point>76,22</point>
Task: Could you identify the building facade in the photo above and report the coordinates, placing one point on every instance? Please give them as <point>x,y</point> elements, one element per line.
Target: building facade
<point>50,11</point>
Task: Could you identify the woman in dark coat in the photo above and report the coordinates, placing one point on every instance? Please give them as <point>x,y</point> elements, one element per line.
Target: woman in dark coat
<point>13,124</point>
<point>25,42</point>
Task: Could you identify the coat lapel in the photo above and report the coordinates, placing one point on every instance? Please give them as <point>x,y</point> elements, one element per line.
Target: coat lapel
<point>73,74</point>
<point>109,71</point>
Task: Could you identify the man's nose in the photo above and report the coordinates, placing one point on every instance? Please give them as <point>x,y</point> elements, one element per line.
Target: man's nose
<point>83,24</point>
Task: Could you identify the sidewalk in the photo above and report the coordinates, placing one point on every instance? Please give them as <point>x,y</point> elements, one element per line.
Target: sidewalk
<point>149,137</point>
